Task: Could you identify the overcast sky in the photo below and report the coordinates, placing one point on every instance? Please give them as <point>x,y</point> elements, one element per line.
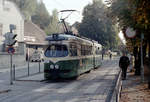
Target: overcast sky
<point>67,4</point>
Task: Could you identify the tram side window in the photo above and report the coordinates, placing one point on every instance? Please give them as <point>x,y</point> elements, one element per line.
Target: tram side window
<point>90,50</point>
<point>86,50</point>
<point>82,50</point>
<point>73,50</point>
<point>98,51</point>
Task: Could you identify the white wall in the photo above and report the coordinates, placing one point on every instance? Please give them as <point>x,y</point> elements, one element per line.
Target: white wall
<point>10,14</point>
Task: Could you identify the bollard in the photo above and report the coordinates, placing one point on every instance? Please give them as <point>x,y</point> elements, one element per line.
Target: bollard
<point>28,67</point>
<point>11,81</point>
<point>14,72</point>
<point>39,67</point>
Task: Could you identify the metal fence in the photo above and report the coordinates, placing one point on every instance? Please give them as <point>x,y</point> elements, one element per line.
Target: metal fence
<point>29,69</point>
<point>117,90</point>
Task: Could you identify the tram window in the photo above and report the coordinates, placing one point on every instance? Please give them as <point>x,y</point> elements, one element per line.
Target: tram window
<point>83,51</point>
<point>86,50</point>
<point>56,51</point>
<point>73,50</point>
<point>98,51</point>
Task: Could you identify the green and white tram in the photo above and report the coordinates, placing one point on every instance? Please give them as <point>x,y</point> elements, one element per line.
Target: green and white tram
<point>68,56</point>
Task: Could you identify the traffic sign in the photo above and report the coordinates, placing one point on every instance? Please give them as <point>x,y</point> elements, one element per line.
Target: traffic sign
<point>10,39</point>
<point>130,33</point>
<point>10,49</point>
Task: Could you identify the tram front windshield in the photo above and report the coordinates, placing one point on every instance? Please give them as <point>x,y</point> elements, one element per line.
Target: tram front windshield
<point>56,51</point>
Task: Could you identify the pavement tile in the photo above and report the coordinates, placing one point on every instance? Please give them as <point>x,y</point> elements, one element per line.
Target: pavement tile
<point>133,90</point>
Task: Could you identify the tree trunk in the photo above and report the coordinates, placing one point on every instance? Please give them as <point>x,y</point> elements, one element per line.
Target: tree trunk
<point>149,61</point>
<point>137,61</point>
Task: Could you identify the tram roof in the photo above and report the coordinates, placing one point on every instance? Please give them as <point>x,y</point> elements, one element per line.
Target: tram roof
<point>61,36</point>
<point>58,37</point>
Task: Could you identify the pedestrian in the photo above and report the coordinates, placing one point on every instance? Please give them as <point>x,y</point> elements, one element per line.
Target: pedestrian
<point>123,64</point>
<point>110,56</point>
<point>103,52</point>
<point>131,66</point>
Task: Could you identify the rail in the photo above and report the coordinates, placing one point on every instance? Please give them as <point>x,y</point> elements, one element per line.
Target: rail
<point>26,70</point>
<point>117,89</point>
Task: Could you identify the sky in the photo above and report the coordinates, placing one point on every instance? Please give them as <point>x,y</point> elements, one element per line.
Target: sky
<point>67,4</point>
<point>122,37</point>
<point>70,4</point>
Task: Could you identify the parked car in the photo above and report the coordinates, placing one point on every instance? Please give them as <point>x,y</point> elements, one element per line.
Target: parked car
<point>37,56</point>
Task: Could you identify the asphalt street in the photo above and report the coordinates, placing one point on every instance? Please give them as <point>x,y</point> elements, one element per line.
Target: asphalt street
<point>95,86</point>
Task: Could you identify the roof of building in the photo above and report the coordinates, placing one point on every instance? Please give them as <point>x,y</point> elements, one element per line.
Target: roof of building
<point>33,34</point>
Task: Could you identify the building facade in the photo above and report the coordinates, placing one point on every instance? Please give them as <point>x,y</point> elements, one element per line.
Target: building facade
<point>34,38</point>
<point>10,14</point>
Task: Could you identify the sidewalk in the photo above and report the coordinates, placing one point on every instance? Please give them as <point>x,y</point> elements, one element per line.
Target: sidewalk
<point>18,67</point>
<point>133,90</point>
<point>21,71</point>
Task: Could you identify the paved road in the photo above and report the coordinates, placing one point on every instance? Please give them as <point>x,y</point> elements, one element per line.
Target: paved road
<point>95,86</point>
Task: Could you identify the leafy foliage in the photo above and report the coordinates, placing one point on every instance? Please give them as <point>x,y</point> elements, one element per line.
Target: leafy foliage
<point>132,13</point>
<point>54,26</point>
<point>27,7</point>
<point>37,12</point>
<point>96,25</point>
<point>41,16</point>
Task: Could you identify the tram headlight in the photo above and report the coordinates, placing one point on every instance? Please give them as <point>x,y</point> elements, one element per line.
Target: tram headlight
<point>56,66</point>
<point>51,66</point>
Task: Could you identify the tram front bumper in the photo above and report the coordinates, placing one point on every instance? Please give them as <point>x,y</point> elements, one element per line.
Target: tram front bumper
<point>55,74</point>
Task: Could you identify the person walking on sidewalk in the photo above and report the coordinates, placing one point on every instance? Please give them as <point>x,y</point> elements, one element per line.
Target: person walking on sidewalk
<point>110,55</point>
<point>123,64</point>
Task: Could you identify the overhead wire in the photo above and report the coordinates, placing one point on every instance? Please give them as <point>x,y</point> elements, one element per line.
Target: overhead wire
<point>62,5</point>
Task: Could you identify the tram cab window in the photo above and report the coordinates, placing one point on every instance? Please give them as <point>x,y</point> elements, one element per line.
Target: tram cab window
<point>73,50</point>
<point>56,51</point>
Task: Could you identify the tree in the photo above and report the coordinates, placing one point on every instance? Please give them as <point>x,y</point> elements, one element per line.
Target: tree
<point>41,16</point>
<point>35,11</point>
<point>54,25</point>
<point>133,14</point>
<point>96,25</point>
<point>27,7</point>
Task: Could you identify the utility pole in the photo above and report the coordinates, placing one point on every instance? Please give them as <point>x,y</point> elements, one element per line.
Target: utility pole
<point>10,41</point>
